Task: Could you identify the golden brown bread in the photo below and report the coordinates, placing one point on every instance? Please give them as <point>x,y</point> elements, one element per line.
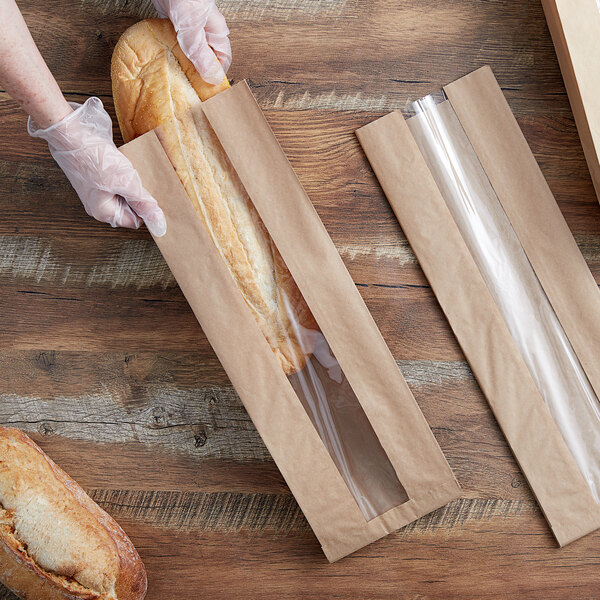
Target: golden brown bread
<point>56,543</point>
<point>156,86</point>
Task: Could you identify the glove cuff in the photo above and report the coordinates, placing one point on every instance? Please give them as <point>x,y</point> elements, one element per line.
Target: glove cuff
<point>87,121</point>
<point>34,130</point>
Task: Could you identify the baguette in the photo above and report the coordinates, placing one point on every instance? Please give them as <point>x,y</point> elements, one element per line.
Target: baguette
<point>56,543</point>
<point>156,86</point>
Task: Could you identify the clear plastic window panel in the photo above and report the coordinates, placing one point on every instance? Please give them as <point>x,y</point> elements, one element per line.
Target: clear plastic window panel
<point>511,280</point>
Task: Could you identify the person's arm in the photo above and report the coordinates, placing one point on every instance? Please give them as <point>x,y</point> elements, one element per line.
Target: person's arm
<point>79,136</point>
<point>23,72</point>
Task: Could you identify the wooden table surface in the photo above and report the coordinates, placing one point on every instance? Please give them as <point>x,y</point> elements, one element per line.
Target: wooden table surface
<point>103,363</point>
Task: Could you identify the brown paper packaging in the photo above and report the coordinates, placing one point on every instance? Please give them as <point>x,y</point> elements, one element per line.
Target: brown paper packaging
<point>523,199</point>
<point>276,410</point>
<point>575,29</point>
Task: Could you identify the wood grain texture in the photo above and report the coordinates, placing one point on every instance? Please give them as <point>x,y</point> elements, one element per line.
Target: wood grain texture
<point>103,363</point>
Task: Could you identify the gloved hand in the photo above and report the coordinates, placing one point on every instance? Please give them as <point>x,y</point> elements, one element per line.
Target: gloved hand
<point>200,26</point>
<point>107,184</point>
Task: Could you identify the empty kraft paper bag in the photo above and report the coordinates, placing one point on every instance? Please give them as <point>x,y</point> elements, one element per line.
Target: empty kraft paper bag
<point>510,278</point>
<point>340,422</point>
<point>575,29</point>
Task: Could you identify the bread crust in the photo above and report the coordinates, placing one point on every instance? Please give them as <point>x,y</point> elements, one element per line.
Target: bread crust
<point>103,565</point>
<point>155,86</point>
<point>140,58</point>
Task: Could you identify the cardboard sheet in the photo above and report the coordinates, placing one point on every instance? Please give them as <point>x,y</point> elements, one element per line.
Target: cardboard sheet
<point>490,138</point>
<point>329,291</point>
<point>575,29</point>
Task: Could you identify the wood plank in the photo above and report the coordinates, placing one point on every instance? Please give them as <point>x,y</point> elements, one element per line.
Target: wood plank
<point>181,406</point>
<point>119,263</point>
<point>510,36</point>
<point>324,152</point>
<point>104,319</point>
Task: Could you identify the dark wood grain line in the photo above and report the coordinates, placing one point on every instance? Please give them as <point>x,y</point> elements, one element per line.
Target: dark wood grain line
<point>232,512</point>
<point>219,511</point>
<point>470,510</point>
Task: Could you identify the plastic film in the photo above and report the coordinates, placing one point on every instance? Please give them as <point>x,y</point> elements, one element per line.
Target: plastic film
<point>342,425</point>
<point>511,280</point>
<point>338,417</point>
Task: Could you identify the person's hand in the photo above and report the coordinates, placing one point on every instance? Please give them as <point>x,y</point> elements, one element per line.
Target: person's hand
<point>201,33</point>
<point>107,184</point>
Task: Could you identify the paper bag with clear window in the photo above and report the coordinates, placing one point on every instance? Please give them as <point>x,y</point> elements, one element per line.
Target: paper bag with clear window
<point>290,328</point>
<point>510,278</point>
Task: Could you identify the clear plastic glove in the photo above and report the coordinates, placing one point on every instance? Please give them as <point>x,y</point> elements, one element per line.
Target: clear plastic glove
<point>201,33</point>
<point>107,184</point>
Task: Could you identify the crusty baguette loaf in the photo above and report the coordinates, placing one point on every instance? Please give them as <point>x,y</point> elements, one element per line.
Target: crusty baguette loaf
<point>56,543</point>
<point>156,86</point>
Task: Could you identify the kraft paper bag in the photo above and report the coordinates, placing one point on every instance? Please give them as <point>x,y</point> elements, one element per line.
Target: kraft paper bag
<point>575,29</point>
<point>510,278</point>
<point>345,431</point>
